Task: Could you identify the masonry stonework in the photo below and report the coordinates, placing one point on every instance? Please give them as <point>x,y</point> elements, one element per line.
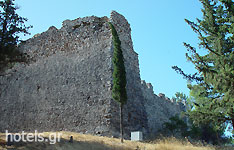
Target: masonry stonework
<point>67,83</point>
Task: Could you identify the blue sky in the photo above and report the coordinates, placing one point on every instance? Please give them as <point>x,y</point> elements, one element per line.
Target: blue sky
<point>158,31</point>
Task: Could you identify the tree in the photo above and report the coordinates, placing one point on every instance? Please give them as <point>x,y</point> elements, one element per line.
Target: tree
<point>11,24</point>
<point>180,97</point>
<point>213,86</point>
<point>119,92</point>
<point>184,125</point>
<point>176,126</point>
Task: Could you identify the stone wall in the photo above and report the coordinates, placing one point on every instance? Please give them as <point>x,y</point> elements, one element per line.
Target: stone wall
<point>158,108</point>
<point>135,117</point>
<point>67,83</point>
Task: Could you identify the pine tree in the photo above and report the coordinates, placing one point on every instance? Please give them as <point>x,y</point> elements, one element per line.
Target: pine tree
<point>119,92</point>
<point>180,97</point>
<point>213,91</point>
<point>11,24</point>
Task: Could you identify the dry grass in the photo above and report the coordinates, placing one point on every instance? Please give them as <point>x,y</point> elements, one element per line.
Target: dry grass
<point>89,142</point>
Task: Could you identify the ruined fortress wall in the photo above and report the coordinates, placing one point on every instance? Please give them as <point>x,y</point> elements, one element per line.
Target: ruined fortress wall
<point>66,86</point>
<point>145,111</point>
<point>135,117</point>
<point>158,108</point>
<point>67,83</point>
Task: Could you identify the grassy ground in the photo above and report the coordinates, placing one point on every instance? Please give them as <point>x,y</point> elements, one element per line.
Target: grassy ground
<point>89,142</point>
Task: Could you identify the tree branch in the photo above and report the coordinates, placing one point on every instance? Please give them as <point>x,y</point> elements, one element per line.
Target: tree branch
<point>193,26</point>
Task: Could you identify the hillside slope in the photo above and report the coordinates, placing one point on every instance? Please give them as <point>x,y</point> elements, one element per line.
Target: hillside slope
<point>89,142</point>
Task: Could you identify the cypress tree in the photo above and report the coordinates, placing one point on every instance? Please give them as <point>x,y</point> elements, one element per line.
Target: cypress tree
<point>119,92</point>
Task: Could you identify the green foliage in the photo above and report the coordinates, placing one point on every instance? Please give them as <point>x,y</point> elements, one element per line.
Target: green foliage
<point>177,127</point>
<point>11,24</point>
<point>119,75</point>
<point>207,133</point>
<point>213,93</point>
<point>180,97</point>
<point>119,92</point>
